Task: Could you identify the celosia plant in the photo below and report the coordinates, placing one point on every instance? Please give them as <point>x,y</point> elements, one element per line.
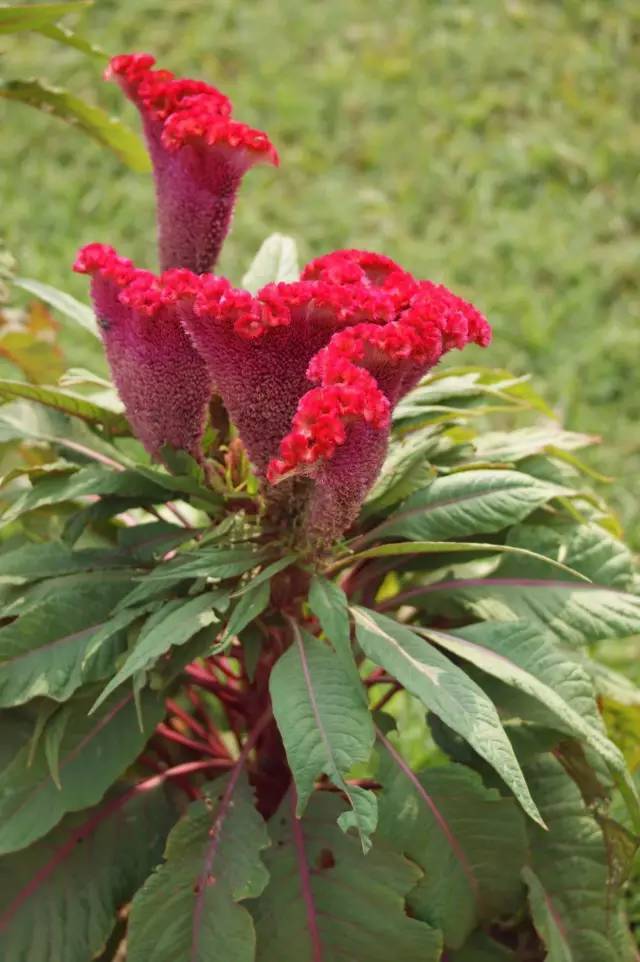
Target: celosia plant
<point>294,662</point>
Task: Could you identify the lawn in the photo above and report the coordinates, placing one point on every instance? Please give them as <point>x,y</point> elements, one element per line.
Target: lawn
<point>491,145</point>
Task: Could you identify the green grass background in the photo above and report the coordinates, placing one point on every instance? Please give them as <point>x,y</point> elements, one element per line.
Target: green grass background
<point>493,145</point>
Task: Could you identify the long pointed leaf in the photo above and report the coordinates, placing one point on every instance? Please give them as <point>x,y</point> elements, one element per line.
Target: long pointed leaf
<point>446,691</point>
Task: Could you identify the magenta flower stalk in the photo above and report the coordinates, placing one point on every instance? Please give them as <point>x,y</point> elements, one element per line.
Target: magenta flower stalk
<point>199,154</point>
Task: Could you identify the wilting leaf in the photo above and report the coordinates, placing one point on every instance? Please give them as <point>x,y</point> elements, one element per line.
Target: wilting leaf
<point>30,343</point>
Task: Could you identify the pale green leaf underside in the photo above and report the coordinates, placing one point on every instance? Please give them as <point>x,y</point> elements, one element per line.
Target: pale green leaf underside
<point>277,260</point>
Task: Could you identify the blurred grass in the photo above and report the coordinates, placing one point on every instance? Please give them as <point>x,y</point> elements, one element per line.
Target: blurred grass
<point>492,145</point>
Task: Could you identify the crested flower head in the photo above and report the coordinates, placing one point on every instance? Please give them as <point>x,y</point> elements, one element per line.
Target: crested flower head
<point>162,380</point>
<point>199,155</point>
<point>309,371</point>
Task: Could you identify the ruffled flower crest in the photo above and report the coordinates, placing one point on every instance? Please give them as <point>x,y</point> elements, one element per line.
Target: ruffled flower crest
<point>199,155</point>
<point>162,380</point>
<point>309,371</point>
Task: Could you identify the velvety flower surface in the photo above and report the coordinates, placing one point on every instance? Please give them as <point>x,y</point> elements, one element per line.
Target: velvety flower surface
<point>199,155</point>
<point>162,380</point>
<point>309,371</point>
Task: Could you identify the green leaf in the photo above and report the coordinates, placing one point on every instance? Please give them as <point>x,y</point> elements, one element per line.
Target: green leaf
<point>571,903</point>
<point>549,927</point>
<point>92,480</point>
<point>67,402</point>
<point>67,640</point>
<point>24,420</point>
<point>406,468</point>
<point>446,691</point>
<point>468,840</point>
<point>585,548</point>
<point>61,896</point>
<point>17,17</point>
<point>71,38</point>
<point>329,604</point>
<point>209,563</point>
<point>277,260</point>
<point>267,573</point>
<point>252,603</point>
<point>62,302</point>
<point>190,907</point>
<point>524,657</point>
<point>481,948</point>
<point>575,613</point>
<point>325,725</point>
<point>516,445</point>
<point>93,752</point>
<point>172,625</point>
<point>466,503</point>
<point>77,112</point>
<point>51,558</point>
<point>408,548</point>
<point>466,392</point>
<point>327,901</point>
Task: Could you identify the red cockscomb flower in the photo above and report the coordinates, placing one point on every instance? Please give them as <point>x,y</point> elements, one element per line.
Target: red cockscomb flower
<point>199,155</point>
<point>161,379</point>
<point>309,371</point>
<point>357,326</point>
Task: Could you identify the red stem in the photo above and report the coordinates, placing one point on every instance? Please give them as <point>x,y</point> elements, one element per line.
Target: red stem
<point>213,736</point>
<point>188,719</point>
<point>198,676</point>
<point>395,688</point>
<point>201,748</point>
<point>305,880</point>
<point>222,663</point>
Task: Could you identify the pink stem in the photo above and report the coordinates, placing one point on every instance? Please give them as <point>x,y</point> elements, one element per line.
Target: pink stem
<point>305,879</point>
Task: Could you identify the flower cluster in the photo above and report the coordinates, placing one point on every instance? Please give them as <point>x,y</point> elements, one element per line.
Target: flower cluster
<point>199,155</point>
<point>309,371</point>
